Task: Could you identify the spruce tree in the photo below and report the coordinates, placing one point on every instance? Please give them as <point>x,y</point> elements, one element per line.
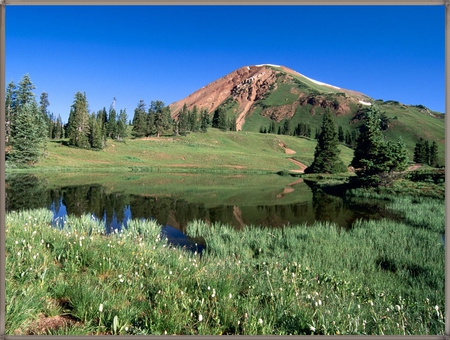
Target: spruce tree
<point>122,125</point>
<point>27,138</point>
<point>163,120</point>
<point>111,126</point>
<point>78,123</point>
<point>326,155</point>
<point>374,158</point>
<point>204,121</point>
<point>183,120</point>
<point>139,121</point>
<point>433,154</point>
<point>341,135</point>
<point>95,132</point>
<point>26,129</point>
<point>421,152</point>
<point>10,108</point>
<point>193,119</point>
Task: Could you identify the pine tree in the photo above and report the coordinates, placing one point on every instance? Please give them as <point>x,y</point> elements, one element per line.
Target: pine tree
<point>272,127</point>
<point>163,120</point>
<point>26,129</point>
<point>95,132</point>
<point>111,126</point>
<point>122,125</point>
<point>286,127</point>
<point>183,120</point>
<point>374,158</point>
<point>204,121</point>
<point>10,108</point>
<point>27,138</point>
<point>433,154</point>
<point>421,152</point>
<point>78,123</point>
<point>326,155</point>
<point>341,135</point>
<point>193,119</point>
<point>57,131</point>
<point>139,121</point>
<point>220,119</point>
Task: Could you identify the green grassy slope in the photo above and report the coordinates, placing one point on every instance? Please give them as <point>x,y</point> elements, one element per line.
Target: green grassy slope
<point>216,150</point>
<point>406,121</point>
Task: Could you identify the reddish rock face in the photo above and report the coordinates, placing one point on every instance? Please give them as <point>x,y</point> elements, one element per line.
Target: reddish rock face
<point>249,84</point>
<point>245,85</point>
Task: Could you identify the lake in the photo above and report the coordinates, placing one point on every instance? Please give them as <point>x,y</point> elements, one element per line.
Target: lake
<point>175,199</point>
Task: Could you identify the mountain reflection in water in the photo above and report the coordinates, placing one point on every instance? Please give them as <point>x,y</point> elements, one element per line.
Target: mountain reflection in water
<point>293,202</point>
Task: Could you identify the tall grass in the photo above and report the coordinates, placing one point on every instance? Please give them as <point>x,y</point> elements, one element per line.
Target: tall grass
<point>379,277</point>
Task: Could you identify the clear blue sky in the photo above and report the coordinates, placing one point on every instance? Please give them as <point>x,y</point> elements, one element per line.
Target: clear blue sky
<point>167,52</point>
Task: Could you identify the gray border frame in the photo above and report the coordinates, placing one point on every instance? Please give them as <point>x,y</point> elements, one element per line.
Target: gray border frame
<point>4,3</point>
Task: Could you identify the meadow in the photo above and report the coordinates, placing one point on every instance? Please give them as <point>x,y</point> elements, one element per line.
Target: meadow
<point>215,151</point>
<point>378,277</point>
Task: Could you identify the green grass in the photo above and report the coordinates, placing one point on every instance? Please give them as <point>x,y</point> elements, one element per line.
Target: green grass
<point>213,151</point>
<point>379,277</point>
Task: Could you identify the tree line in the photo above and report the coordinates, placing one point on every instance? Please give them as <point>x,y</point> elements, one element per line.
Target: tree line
<point>91,130</point>
<point>376,160</point>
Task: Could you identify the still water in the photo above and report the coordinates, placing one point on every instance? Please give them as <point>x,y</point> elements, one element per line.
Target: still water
<point>173,200</point>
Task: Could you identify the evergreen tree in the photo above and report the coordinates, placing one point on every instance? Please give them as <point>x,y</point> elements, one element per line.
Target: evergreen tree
<point>26,134</point>
<point>272,127</point>
<point>58,130</point>
<point>193,119</point>
<point>163,120</point>
<point>286,127</point>
<point>122,125</point>
<point>95,132</point>
<point>78,123</point>
<point>421,152</point>
<point>326,155</point>
<point>26,129</point>
<point>374,158</point>
<point>10,108</point>
<point>348,138</point>
<point>204,121</point>
<point>139,121</point>
<point>220,118</point>
<point>25,93</point>
<point>45,120</point>
<point>433,154</point>
<point>183,120</point>
<point>111,126</point>
<point>341,135</point>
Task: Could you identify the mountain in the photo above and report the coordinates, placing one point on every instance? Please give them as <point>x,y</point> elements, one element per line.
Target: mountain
<point>258,95</point>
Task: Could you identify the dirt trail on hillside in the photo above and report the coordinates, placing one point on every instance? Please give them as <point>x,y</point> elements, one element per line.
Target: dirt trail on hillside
<point>301,165</point>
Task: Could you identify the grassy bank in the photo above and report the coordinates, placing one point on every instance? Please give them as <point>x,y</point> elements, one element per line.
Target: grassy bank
<point>380,277</point>
<point>215,151</point>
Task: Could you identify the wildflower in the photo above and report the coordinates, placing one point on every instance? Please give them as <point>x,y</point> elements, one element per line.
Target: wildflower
<point>359,306</point>
<point>100,308</point>
<point>230,296</point>
<point>200,317</point>
<point>260,321</point>
<point>312,328</point>
<point>398,307</point>
<point>320,303</point>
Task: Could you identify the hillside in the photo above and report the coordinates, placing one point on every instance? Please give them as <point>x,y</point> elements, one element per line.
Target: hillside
<point>261,94</point>
<point>215,150</point>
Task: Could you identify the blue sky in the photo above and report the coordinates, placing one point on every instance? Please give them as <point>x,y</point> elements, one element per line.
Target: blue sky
<point>167,52</point>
